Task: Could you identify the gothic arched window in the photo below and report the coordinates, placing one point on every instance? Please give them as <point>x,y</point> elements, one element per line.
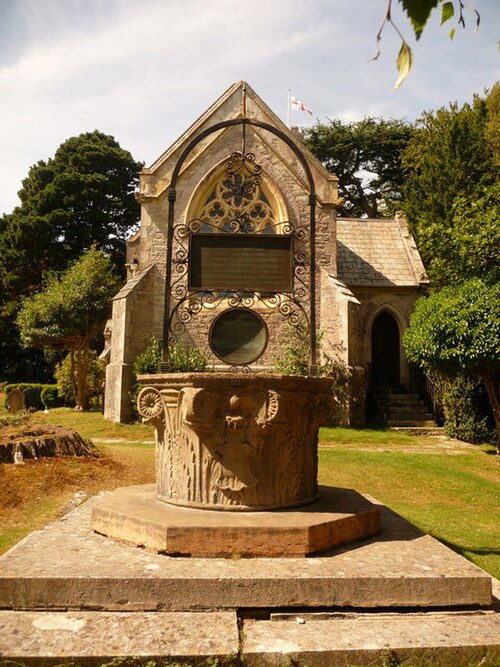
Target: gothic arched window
<point>237,197</point>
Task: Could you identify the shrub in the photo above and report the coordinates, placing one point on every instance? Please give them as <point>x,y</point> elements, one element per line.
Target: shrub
<point>149,361</point>
<point>50,397</point>
<point>95,380</point>
<point>467,411</point>
<point>294,357</point>
<point>294,360</point>
<point>186,359</point>
<point>181,359</point>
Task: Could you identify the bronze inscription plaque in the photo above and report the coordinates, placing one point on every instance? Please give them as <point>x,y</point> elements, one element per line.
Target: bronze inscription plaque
<point>244,262</point>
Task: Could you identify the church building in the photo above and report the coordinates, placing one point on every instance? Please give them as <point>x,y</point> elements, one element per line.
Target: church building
<point>239,241</point>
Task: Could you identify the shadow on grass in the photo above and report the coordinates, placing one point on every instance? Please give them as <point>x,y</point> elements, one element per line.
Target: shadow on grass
<point>477,551</point>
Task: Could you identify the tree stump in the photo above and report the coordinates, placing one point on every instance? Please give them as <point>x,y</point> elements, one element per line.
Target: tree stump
<point>42,440</point>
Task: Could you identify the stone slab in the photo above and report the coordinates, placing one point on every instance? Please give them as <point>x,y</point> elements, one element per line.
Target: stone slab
<point>67,566</point>
<point>444,639</point>
<point>133,514</point>
<point>97,637</point>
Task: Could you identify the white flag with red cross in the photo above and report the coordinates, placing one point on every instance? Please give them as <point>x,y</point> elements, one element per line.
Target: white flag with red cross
<point>297,105</point>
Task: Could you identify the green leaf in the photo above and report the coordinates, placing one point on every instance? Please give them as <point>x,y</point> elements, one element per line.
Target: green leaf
<point>448,12</point>
<point>452,33</point>
<point>418,12</point>
<point>403,63</point>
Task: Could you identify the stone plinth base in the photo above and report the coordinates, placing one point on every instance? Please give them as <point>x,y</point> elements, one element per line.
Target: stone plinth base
<point>402,596</point>
<point>400,569</point>
<point>134,515</point>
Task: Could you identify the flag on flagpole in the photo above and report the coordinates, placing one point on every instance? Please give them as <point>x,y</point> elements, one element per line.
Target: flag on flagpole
<point>297,105</point>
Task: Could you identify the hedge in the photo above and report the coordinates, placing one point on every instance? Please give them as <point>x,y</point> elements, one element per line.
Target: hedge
<point>37,396</point>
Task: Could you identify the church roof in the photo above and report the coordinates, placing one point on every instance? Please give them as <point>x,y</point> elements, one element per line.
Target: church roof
<point>375,253</point>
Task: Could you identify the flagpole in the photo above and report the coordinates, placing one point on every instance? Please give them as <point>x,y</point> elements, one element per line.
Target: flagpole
<point>288,103</point>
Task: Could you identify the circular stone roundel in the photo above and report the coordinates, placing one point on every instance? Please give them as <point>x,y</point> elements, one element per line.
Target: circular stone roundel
<point>238,336</point>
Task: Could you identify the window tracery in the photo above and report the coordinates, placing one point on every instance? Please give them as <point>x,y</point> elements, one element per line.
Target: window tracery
<point>239,201</point>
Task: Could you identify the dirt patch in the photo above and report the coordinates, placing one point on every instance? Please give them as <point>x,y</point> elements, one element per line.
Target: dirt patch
<point>43,489</point>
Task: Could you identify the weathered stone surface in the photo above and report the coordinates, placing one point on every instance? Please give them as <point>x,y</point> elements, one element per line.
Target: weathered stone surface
<point>16,400</point>
<point>401,568</point>
<point>236,441</point>
<point>133,514</point>
<point>38,441</point>
<point>444,639</point>
<point>97,637</point>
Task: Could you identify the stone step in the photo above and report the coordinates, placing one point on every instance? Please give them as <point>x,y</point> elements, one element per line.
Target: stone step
<point>404,410</point>
<point>412,415</point>
<point>409,409</point>
<point>407,406</point>
<point>56,638</point>
<point>417,403</point>
<point>444,639</point>
<point>399,399</point>
<point>401,568</point>
<point>420,430</point>
<point>447,639</point>
<point>396,398</point>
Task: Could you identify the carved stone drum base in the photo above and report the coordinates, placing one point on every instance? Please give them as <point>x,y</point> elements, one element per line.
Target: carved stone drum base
<point>236,441</point>
<point>134,515</point>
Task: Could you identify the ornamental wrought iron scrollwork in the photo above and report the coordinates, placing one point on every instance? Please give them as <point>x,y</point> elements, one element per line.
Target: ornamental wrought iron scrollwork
<point>238,205</point>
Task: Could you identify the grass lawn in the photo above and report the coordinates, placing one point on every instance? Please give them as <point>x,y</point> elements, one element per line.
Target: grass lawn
<point>453,494</point>
<point>446,488</point>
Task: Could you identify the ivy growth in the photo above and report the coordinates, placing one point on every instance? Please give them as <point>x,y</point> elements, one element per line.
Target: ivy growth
<point>294,360</point>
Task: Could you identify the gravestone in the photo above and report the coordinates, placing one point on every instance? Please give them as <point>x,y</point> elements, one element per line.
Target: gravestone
<point>16,400</point>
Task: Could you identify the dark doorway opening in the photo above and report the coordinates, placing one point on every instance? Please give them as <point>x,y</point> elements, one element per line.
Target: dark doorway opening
<point>385,368</point>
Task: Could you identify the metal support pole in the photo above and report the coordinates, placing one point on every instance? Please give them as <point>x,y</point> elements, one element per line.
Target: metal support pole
<point>168,277</point>
<point>313,369</point>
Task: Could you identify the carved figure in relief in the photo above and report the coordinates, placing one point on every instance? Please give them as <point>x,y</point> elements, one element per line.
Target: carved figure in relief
<point>231,427</point>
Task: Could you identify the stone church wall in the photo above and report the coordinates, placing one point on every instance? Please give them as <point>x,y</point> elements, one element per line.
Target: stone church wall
<point>137,317</point>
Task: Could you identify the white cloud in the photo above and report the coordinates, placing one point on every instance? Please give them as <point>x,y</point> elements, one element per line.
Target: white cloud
<point>144,72</point>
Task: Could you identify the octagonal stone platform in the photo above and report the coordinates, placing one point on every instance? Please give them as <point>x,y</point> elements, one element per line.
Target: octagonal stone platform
<point>134,515</point>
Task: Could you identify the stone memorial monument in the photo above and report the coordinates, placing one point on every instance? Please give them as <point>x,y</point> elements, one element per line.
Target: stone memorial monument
<point>235,442</point>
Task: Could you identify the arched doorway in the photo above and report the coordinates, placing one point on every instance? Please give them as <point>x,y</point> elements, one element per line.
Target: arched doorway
<point>385,363</point>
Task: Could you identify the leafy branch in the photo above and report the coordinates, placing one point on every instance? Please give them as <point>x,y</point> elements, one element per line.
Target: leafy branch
<point>418,12</point>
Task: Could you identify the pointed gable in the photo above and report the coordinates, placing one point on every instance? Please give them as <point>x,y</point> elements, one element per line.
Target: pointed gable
<point>238,101</point>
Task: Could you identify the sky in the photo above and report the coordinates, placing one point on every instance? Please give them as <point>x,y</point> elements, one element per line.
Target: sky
<point>145,70</point>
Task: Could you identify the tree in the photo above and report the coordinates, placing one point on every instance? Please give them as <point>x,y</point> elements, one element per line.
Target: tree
<point>366,158</point>
<point>96,373</point>
<point>458,329</point>
<point>449,166</point>
<point>493,124</point>
<point>69,312</point>
<point>471,245</point>
<point>82,196</point>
